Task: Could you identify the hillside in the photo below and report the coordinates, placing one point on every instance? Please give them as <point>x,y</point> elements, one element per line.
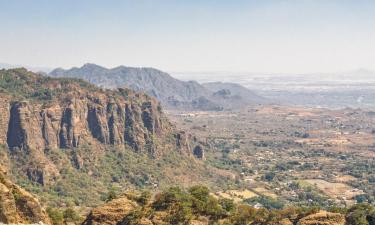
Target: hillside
<point>17,205</point>
<point>233,95</point>
<point>197,207</point>
<point>173,93</point>
<point>68,139</point>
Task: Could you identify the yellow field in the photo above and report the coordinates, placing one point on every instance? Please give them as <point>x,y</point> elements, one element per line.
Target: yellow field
<point>236,195</point>
<point>335,190</point>
<point>265,192</point>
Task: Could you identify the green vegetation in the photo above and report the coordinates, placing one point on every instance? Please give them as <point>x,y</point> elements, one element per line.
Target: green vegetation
<point>115,170</point>
<point>56,216</point>
<point>361,214</point>
<point>181,206</point>
<point>266,202</point>
<point>68,215</point>
<point>22,84</point>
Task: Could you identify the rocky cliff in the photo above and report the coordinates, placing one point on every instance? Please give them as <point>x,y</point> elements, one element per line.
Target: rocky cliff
<point>38,114</point>
<point>17,205</point>
<point>64,113</point>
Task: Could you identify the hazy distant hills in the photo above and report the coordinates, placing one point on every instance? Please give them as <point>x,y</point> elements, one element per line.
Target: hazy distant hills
<point>173,93</point>
<point>355,88</point>
<point>232,94</point>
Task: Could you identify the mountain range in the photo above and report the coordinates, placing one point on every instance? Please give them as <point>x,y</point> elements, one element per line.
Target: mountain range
<point>173,93</point>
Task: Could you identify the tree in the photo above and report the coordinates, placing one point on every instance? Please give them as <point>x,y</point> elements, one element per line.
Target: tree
<point>361,214</point>
<point>227,204</point>
<point>200,196</point>
<point>144,198</point>
<point>243,215</point>
<point>70,215</point>
<point>55,215</point>
<point>111,195</point>
<point>177,202</point>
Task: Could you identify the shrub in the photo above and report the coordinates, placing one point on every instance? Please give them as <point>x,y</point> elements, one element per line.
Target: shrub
<point>361,214</point>
<point>70,215</point>
<point>55,215</point>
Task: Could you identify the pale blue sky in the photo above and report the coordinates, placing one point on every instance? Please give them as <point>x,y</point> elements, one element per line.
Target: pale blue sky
<point>299,36</point>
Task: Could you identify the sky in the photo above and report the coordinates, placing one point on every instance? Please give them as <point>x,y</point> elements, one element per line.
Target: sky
<point>267,36</point>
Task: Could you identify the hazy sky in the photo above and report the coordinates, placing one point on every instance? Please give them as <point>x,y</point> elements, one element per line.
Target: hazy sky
<point>191,35</point>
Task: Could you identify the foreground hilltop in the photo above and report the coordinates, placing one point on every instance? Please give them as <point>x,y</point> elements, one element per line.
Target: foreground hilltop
<point>79,140</point>
<point>17,205</point>
<point>173,93</point>
<point>197,207</point>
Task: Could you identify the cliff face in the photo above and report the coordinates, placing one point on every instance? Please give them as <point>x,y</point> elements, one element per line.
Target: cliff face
<point>19,206</point>
<point>39,113</point>
<point>33,126</point>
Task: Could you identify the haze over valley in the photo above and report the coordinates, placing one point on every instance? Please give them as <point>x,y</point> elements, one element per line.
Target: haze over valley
<point>241,112</point>
<point>328,90</point>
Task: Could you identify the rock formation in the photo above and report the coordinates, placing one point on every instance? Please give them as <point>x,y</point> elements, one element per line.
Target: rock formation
<point>111,213</point>
<point>40,113</point>
<point>19,206</point>
<point>323,218</point>
<point>198,152</point>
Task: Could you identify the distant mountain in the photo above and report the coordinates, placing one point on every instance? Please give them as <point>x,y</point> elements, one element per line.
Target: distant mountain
<point>173,93</point>
<point>233,94</point>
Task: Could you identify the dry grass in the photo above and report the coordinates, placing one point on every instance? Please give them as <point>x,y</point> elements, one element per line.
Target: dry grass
<point>334,190</point>
<point>236,195</point>
<point>265,192</point>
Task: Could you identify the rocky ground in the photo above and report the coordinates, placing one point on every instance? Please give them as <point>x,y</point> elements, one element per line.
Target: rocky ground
<point>19,206</point>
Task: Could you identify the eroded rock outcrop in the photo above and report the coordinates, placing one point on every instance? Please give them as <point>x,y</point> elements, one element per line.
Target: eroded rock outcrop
<point>323,218</point>
<point>76,114</point>
<point>111,213</point>
<point>17,205</point>
<point>198,152</point>
<point>182,141</point>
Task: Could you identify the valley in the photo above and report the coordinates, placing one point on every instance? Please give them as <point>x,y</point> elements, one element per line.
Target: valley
<point>77,146</point>
<point>303,156</point>
<point>156,112</point>
<point>72,143</point>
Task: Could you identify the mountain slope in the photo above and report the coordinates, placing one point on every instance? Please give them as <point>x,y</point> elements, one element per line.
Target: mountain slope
<point>171,92</point>
<point>17,205</point>
<point>233,94</point>
<point>68,138</point>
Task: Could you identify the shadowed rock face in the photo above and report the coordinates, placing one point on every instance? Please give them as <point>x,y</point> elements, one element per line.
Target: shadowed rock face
<point>17,134</point>
<point>46,113</point>
<point>198,152</point>
<point>60,126</point>
<point>17,205</point>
